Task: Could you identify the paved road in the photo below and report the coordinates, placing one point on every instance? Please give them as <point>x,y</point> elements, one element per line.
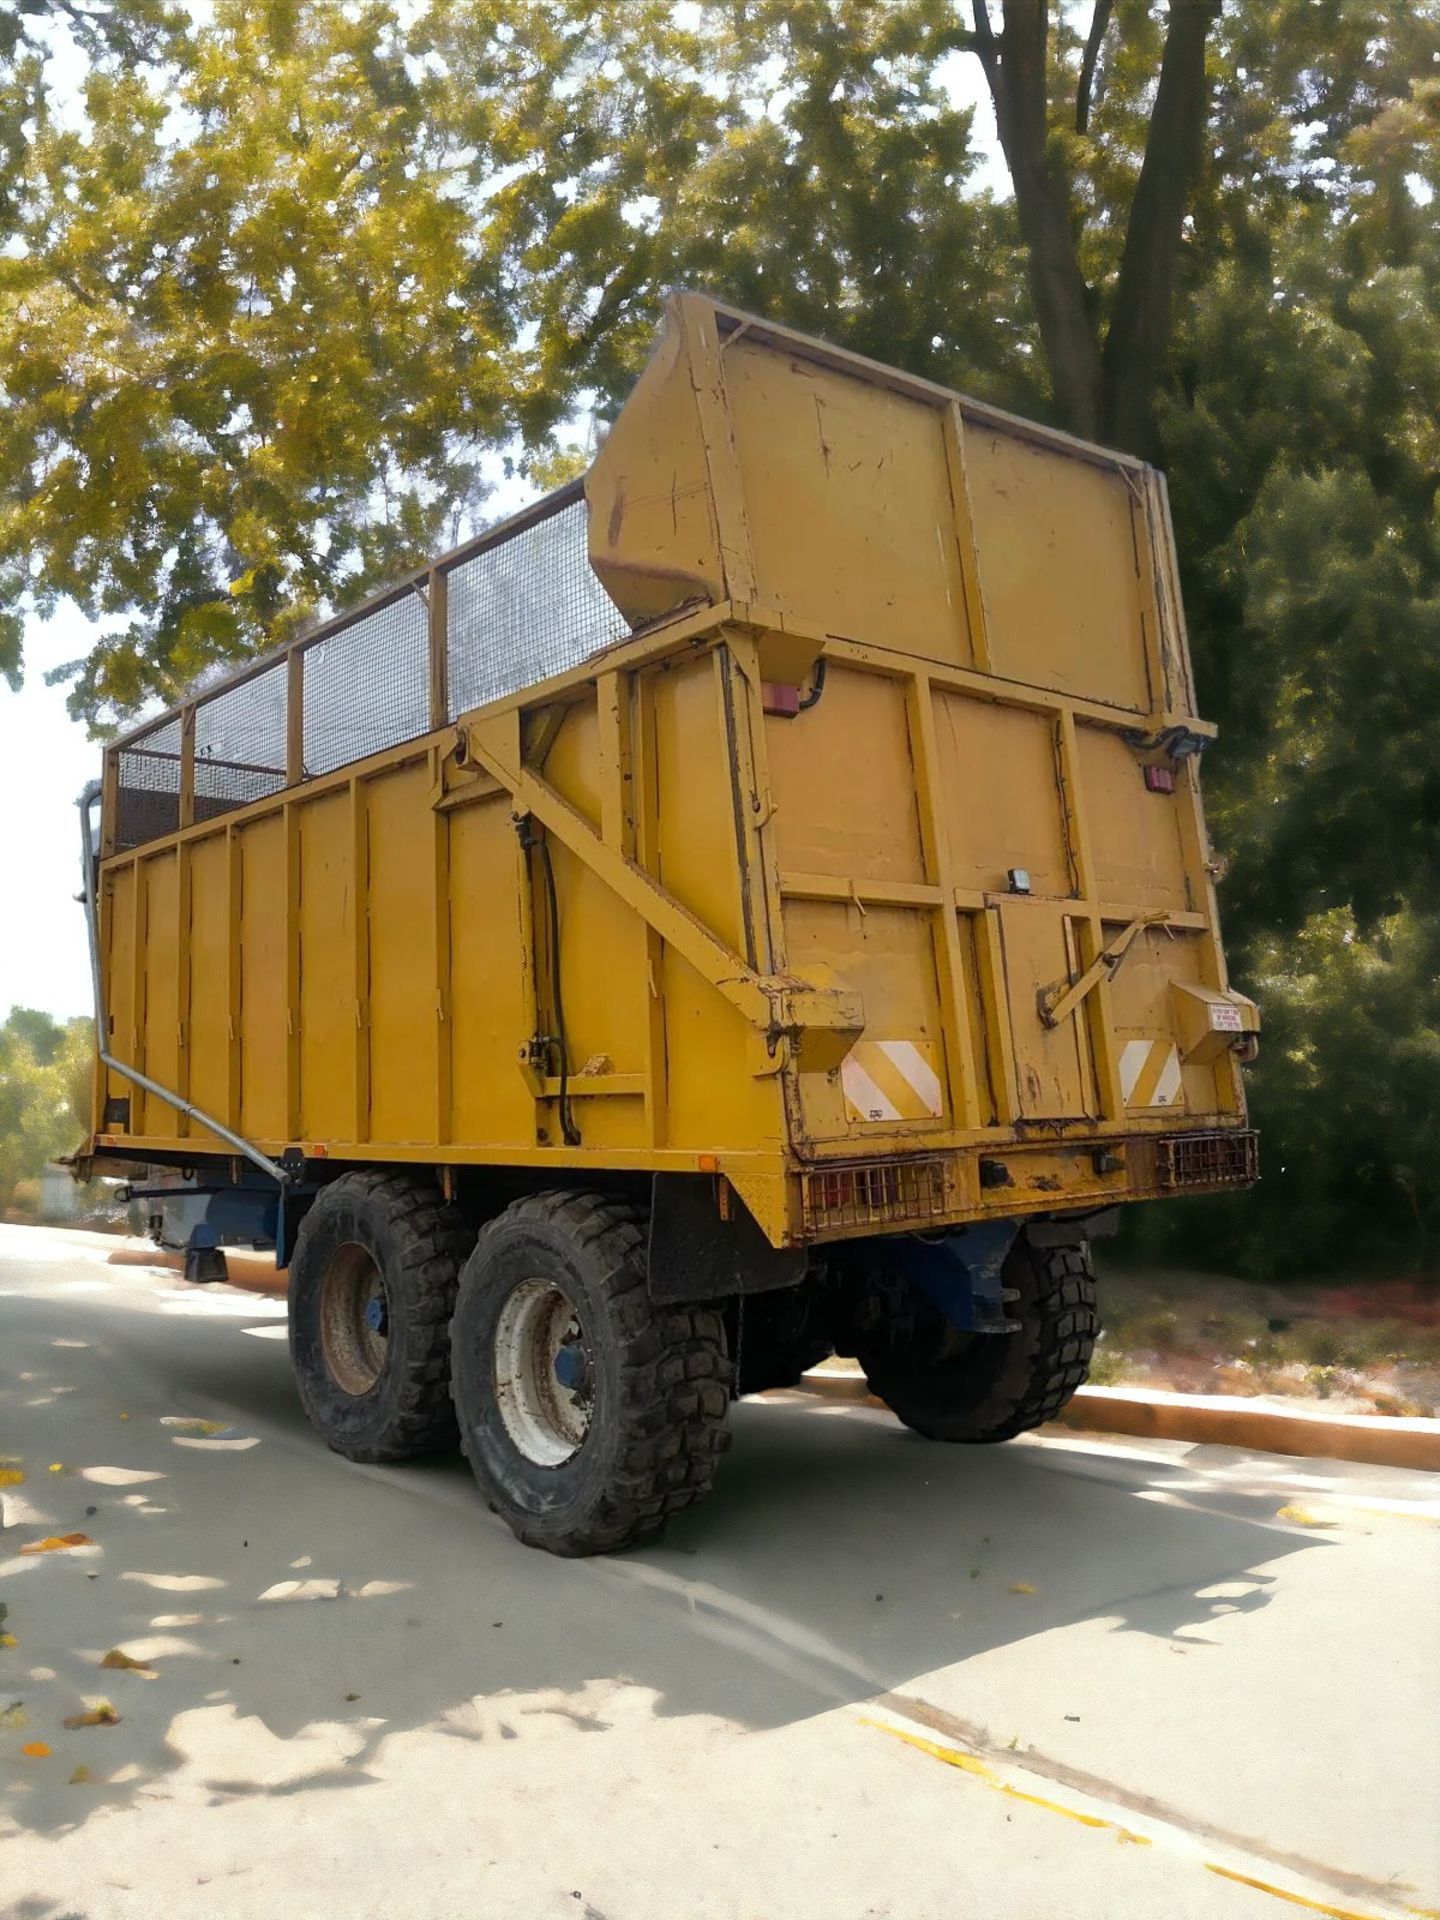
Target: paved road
<point>871,1677</point>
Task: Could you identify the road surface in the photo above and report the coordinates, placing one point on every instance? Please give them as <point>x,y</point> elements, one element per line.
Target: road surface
<point>1067,1678</point>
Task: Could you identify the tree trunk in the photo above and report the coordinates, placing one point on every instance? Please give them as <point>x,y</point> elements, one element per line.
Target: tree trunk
<point>1015,70</point>
<point>1142,303</point>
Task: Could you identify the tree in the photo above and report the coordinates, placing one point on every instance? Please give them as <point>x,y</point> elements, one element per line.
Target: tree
<point>44,1105</point>
<point>250,364</point>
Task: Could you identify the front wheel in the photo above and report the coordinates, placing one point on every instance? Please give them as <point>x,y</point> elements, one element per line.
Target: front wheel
<point>587,1413</point>
<point>981,1387</point>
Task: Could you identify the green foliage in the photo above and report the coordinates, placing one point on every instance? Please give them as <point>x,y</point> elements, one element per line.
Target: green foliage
<point>1345,1098</point>
<point>275,291</point>
<point>44,1092</point>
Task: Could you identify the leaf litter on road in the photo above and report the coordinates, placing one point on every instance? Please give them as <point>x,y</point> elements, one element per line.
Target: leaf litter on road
<point>101,1714</point>
<point>118,1658</point>
<point>58,1543</point>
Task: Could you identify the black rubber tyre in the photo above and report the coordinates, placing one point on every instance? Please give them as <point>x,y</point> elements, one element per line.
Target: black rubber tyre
<point>982,1387</point>
<point>377,1393</point>
<point>638,1432</point>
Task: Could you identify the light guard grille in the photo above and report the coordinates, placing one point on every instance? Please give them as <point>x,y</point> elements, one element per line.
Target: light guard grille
<point>1229,1159</point>
<point>877,1193</point>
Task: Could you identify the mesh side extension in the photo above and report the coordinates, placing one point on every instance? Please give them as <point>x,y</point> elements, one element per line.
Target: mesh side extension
<point>240,744</point>
<point>525,609</point>
<point>1208,1160</point>
<point>147,801</point>
<point>368,686</point>
<point>878,1193</point>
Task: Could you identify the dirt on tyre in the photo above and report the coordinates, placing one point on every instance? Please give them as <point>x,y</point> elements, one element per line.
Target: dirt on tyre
<point>372,1290</point>
<point>985,1387</point>
<point>588,1413</point>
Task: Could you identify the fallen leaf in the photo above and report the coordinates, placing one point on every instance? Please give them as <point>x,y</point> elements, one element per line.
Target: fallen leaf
<point>116,1657</point>
<point>36,1750</point>
<point>102,1714</point>
<point>8,1640</point>
<point>79,1776</point>
<point>187,1423</point>
<point>1302,1517</point>
<point>13,1717</point>
<point>11,1476</point>
<point>58,1542</point>
<point>56,1466</point>
<point>1021,1586</point>
<point>124,1416</point>
<point>352,1696</point>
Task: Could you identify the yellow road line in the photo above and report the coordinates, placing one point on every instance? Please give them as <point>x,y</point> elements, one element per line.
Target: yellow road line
<point>980,1770</point>
<point>1295,1899</point>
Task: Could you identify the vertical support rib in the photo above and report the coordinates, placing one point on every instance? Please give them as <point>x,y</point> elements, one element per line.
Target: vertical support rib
<point>183,881</point>
<point>292,971</point>
<point>702,346</point>
<point>109,800</point>
<point>945,930</point>
<point>360,896</point>
<point>1099,1006</point>
<point>187,767</point>
<point>954,430</point>
<point>294,716</point>
<point>645,790</point>
<point>234,908</point>
<point>444,1028</point>
<point>136,1050</point>
<point>438,600</point>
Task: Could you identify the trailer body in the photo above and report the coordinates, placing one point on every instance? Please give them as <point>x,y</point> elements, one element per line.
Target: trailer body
<point>767,881</point>
<point>877,754</point>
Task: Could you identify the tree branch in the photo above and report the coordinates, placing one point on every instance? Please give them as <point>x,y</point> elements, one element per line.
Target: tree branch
<point>1142,303</point>
<point>1099,23</point>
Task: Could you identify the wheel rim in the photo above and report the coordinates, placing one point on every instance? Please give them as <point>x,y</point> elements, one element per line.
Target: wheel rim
<point>544,1376</point>
<point>354,1319</point>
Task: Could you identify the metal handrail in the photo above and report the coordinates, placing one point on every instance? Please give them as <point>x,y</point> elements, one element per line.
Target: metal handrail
<point>241,1145</point>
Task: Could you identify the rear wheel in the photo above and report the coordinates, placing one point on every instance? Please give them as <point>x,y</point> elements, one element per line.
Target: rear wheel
<point>372,1287</point>
<point>981,1387</point>
<point>588,1413</point>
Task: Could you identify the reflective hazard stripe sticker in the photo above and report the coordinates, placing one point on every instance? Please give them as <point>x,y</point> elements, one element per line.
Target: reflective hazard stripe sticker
<point>891,1080</point>
<point>1150,1073</point>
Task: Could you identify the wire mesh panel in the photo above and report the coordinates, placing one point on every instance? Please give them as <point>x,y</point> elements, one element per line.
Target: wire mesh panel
<point>240,744</point>
<point>524,609</point>
<point>368,686</point>
<point>147,795</point>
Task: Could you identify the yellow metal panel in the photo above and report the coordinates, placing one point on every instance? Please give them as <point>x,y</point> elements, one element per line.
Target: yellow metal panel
<point>886,954</point>
<point>119,886</point>
<point>400,915</point>
<point>209,1028</point>
<point>851,516</point>
<point>713,1100</point>
<point>1135,833</point>
<point>262,978</point>
<point>654,540</point>
<point>160,881</point>
<point>843,782</point>
<point>1002,797</point>
<point>1058,570</point>
<point>326,928</point>
<point>488,1022</point>
<point>1050,1063</point>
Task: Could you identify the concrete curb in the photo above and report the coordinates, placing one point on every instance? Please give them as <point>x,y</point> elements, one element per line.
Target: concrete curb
<point>1214,1420</point>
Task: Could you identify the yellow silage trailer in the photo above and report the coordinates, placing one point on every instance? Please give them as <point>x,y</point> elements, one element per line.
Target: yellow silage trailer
<point>753,902</point>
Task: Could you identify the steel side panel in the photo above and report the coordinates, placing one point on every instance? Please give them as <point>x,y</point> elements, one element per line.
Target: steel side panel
<point>327,933</point>
<point>209,955</point>
<point>262,979</point>
<point>400,919</point>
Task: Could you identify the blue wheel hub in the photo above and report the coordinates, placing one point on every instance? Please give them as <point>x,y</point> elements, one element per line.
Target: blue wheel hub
<point>570,1367</point>
<point>377,1317</point>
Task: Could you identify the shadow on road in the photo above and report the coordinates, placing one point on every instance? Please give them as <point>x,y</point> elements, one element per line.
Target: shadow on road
<point>288,1599</point>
